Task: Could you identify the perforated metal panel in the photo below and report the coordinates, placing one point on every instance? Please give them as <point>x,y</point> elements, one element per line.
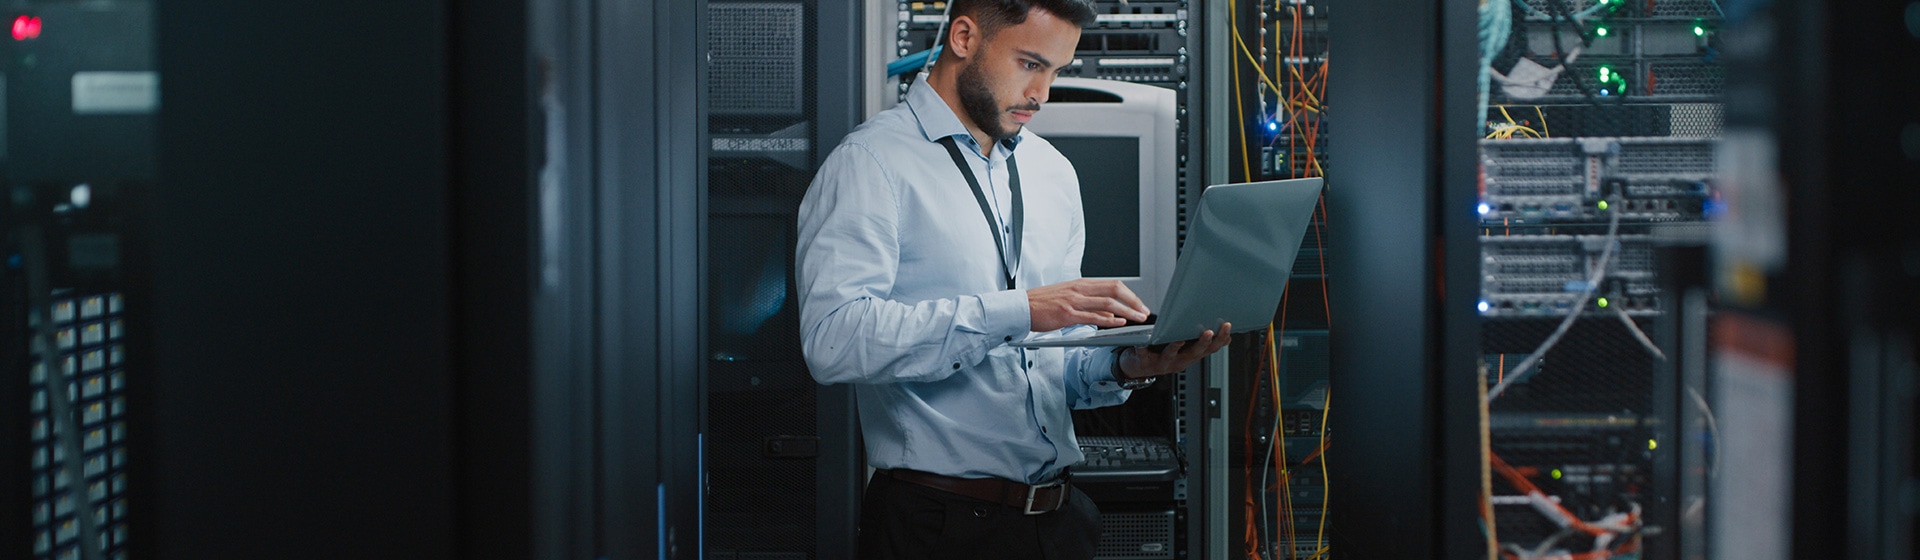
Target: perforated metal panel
<point>1136,535</point>
<point>758,53</point>
<point>1697,120</point>
<point>1686,78</point>
<point>1660,156</point>
<point>1683,8</point>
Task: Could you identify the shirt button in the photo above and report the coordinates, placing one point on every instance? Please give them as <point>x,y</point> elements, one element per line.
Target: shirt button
<point>1008,339</point>
<point>1029,363</point>
<point>1043,429</point>
<point>956,365</point>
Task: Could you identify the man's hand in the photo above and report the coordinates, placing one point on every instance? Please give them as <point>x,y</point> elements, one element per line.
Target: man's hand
<point>1107,303</point>
<point>1137,362</point>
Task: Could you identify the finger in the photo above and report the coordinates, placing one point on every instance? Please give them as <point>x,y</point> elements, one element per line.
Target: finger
<point>1226,336</point>
<point>1218,343</point>
<point>1126,296</point>
<point>1096,318</point>
<point>1199,347</point>
<point>1118,309</point>
<point>1171,350</point>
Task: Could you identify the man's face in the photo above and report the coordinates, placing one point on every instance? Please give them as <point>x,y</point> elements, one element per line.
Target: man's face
<point>1006,79</point>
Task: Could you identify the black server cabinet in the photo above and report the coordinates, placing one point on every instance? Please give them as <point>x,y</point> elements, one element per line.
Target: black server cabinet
<point>782,469</point>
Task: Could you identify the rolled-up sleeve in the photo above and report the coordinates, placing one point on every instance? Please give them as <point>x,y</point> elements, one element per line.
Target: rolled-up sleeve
<point>847,260</point>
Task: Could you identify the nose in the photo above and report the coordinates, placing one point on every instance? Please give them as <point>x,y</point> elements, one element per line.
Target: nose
<point>1041,86</point>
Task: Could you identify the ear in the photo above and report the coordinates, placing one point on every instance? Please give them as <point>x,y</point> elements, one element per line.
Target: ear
<point>963,37</point>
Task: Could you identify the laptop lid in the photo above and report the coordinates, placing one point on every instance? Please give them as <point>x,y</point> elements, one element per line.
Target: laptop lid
<point>1239,253</point>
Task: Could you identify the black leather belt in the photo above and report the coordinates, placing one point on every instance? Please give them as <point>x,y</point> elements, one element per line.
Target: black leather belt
<point>1031,500</point>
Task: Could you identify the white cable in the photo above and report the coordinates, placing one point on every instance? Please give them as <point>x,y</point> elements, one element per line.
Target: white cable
<point>1266,468</point>
<point>939,37</point>
<point>1640,335</point>
<point>1593,283</point>
<point>1713,430</point>
<point>1266,465</point>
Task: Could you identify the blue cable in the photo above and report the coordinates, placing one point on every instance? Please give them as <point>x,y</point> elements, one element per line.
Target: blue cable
<point>911,62</point>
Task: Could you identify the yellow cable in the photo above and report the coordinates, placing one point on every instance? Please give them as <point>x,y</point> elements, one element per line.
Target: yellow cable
<point>1240,111</point>
<point>1242,43</point>
<point>1543,121</point>
<point>1296,75</point>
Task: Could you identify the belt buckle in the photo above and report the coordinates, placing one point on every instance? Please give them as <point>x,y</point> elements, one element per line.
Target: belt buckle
<point>1033,491</point>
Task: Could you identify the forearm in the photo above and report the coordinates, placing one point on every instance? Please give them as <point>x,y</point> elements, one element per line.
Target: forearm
<point>872,340</point>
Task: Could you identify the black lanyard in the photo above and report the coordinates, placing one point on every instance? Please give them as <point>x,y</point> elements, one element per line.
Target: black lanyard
<point>1019,208</point>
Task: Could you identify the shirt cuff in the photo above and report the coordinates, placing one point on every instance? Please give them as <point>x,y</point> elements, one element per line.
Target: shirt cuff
<point>1007,314</point>
<point>1101,366</point>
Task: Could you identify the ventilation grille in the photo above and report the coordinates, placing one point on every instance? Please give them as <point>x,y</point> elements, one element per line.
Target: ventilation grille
<point>1136,535</point>
<point>1697,120</point>
<point>756,52</point>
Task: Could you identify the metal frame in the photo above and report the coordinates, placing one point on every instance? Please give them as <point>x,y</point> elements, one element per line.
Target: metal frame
<point>650,154</point>
<point>1408,457</point>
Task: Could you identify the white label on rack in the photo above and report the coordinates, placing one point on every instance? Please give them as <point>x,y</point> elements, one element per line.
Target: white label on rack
<point>1136,18</point>
<point>1135,62</point>
<point>116,93</point>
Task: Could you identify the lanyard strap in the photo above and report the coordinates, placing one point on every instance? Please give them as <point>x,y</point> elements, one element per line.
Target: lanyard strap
<point>1019,208</point>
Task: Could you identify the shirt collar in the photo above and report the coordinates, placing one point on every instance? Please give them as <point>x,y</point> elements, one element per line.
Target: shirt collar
<point>937,119</point>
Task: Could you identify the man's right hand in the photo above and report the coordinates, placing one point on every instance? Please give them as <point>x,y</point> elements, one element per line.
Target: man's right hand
<point>1107,303</point>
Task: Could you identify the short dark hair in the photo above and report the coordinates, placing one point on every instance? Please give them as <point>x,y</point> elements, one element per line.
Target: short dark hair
<point>994,15</point>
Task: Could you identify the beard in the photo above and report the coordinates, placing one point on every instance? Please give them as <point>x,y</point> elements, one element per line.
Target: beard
<point>982,108</point>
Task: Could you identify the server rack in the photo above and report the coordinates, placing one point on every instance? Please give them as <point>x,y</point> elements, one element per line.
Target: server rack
<point>77,156</point>
<point>1599,159</point>
<point>1276,106</point>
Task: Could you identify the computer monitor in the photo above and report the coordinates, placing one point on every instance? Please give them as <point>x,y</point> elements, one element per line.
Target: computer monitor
<point>1120,137</point>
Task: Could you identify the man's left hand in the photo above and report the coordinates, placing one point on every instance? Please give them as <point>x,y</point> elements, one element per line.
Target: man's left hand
<point>1140,362</point>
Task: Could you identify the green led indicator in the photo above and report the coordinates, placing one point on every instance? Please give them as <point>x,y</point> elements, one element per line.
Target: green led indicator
<point>1602,205</point>
<point>1601,31</point>
<point>1605,73</point>
<point>1602,303</point>
<point>1699,31</point>
<point>1556,474</point>
<point>1651,445</point>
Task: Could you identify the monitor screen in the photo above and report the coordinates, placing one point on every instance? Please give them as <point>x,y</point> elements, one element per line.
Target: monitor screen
<point>1109,171</point>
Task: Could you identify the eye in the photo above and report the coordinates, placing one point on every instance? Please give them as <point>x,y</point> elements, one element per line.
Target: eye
<point>1031,65</point>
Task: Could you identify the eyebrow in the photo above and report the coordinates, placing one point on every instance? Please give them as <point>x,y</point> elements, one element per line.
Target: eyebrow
<point>1036,56</point>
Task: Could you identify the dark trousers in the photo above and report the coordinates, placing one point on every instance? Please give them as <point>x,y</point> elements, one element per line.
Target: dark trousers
<point>906,521</point>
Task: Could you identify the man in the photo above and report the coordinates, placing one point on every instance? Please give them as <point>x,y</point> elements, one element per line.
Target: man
<point>925,246</point>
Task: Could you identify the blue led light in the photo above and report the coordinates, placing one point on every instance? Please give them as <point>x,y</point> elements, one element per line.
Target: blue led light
<point>1484,306</point>
<point>1485,209</point>
<point>1273,126</point>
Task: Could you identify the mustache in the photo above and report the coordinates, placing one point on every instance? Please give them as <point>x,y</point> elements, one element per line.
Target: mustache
<point>1032,107</point>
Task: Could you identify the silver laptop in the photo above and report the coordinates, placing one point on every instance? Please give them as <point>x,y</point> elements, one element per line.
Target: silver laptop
<point>1239,253</point>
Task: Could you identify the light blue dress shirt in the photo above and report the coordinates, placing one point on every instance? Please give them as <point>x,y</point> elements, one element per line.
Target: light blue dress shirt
<point>901,294</point>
